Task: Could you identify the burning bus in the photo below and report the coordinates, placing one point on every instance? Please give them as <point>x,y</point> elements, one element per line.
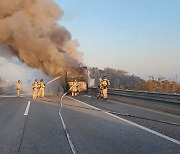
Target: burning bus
<point>81,75</point>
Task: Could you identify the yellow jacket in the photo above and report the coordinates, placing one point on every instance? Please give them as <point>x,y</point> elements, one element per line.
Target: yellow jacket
<point>105,83</point>
<point>18,85</point>
<point>35,85</point>
<point>41,85</point>
<point>75,86</point>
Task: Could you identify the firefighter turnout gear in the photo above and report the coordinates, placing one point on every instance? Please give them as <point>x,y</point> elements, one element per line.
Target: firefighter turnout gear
<point>74,89</point>
<point>18,88</point>
<point>35,89</point>
<point>41,88</point>
<point>104,86</point>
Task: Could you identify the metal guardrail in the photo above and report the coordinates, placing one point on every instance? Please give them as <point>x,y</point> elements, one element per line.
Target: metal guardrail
<point>156,96</point>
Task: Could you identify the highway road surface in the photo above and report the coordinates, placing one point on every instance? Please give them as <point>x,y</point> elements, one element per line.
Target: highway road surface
<point>39,127</point>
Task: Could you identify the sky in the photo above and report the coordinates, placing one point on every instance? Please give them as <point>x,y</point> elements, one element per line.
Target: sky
<point>141,37</point>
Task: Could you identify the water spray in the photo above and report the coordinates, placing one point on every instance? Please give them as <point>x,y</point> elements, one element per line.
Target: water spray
<point>53,80</point>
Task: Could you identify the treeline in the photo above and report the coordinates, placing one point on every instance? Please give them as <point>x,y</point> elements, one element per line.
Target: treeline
<point>157,85</point>
<point>120,79</point>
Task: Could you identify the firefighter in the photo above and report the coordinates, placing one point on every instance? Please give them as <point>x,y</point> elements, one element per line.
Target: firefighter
<point>100,95</point>
<point>74,88</point>
<point>105,86</point>
<point>18,87</point>
<point>41,88</point>
<point>35,89</point>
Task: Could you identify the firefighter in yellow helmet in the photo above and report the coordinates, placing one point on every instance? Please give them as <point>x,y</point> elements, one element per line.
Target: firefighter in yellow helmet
<point>74,88</point>
<point>18,87</point>
<point>105,86</point>
<point>35,89</point>
<point>41,88</point>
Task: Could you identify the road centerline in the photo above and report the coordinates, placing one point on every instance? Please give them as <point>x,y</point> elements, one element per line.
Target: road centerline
<point>27,108</point>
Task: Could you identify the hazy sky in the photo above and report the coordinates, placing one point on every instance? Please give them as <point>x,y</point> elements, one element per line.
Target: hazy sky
<point>138,36</point>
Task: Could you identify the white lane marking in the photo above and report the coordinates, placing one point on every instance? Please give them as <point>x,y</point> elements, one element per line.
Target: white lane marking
<point>84,103</point>
<point>27,108</point>
<point>88,96</point>
<point>67,134</point>
<point>10,96</point>
<point>135,124</point>
<point>142,108</point>
<point>147,129</point>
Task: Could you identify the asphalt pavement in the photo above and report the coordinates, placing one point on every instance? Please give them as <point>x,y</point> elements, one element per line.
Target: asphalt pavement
<point>91,131</point>
<point>40,132</point>
<point>123,108</point>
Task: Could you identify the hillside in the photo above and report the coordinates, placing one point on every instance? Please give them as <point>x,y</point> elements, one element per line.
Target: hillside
<point>120,79</point>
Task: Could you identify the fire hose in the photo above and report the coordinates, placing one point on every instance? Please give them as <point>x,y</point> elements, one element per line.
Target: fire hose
<point>112,112</point>
<point>128,115</point>
<point>119,113</point>
<point>61,117</point>
<point>53,80</point>
<point>62,120</point>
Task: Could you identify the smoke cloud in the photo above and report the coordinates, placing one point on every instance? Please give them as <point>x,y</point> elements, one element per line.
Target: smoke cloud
<point>30,30</point>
